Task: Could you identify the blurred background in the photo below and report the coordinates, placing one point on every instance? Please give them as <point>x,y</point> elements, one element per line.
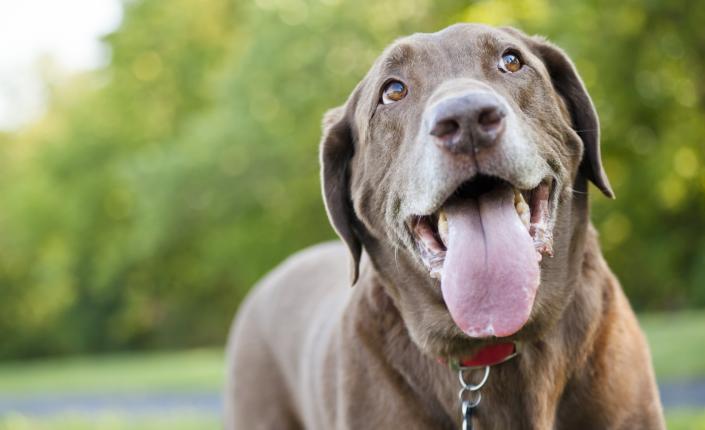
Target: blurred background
<point>157,158</point>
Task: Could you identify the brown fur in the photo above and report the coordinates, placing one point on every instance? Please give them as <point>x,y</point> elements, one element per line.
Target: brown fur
<point>306,351</point>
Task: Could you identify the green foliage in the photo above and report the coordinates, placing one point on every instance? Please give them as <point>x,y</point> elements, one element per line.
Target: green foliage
<point>142,207</point>
<point>83,264</point>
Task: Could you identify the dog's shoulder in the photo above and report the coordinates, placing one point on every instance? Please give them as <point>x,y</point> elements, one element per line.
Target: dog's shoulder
<point>325,262</point>
<point>293,287</point>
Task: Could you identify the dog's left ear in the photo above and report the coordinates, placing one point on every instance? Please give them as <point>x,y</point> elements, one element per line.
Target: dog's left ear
<point>568,84</point>
<point>336,152</point>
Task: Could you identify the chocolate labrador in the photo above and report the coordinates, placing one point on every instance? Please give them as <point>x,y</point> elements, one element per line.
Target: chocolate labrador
<point>456,175</point>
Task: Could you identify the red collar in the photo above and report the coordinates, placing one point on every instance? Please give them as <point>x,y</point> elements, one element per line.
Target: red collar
<point>490,355</point>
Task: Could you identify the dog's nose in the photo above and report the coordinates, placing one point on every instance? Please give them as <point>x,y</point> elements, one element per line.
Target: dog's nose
<point>469,122</point>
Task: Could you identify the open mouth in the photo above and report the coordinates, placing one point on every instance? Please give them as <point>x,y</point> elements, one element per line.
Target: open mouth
<point>484,244</point>
<point>532,208</point>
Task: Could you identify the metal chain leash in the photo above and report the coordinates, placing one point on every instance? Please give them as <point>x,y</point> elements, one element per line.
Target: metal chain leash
<point>469,394</point>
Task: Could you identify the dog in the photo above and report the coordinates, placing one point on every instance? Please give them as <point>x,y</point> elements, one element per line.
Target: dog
<point>456,175</point>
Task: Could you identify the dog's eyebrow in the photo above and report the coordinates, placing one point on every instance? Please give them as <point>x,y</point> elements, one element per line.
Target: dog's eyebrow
<point>397,57</point>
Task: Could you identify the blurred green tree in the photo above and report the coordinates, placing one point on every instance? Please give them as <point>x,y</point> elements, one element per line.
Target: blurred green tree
<point>139,211</point>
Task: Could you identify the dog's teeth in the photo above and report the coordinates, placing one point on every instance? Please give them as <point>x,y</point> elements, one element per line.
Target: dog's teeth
<point>517,197</point>
<point>525,215</point>
<point>443,226</point>
<point>522,209</point>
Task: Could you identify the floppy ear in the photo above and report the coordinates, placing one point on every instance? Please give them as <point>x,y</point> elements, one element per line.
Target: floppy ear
<point>569,85</point>
<point>336,151</point>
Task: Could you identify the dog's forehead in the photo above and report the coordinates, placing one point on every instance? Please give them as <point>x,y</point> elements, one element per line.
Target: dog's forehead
<point>462,34</point>
<point>446,44</point>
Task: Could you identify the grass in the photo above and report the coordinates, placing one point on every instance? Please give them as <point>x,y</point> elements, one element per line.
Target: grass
<point>677,420</point>
<point>179,371</point>
<point>685,420</point>
<point>677,344</point>
<point>111,421</point>
<point>193,370</point>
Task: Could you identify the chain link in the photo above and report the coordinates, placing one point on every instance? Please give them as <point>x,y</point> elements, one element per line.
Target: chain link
<point>469,395</point>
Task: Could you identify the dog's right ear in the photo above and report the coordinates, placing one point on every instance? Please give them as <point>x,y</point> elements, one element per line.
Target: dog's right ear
<point>336,152</point>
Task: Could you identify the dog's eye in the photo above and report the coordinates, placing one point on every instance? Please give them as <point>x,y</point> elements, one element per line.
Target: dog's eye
<point>393,92</point>
<point>510,63</point>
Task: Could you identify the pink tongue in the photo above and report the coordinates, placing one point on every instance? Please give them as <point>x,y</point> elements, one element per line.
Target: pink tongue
<point>491,270</point>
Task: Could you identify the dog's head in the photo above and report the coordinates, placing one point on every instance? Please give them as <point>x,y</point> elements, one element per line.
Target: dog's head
<point>460,163</point>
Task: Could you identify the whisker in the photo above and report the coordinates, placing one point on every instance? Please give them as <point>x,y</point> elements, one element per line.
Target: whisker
<point>573,190</point>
